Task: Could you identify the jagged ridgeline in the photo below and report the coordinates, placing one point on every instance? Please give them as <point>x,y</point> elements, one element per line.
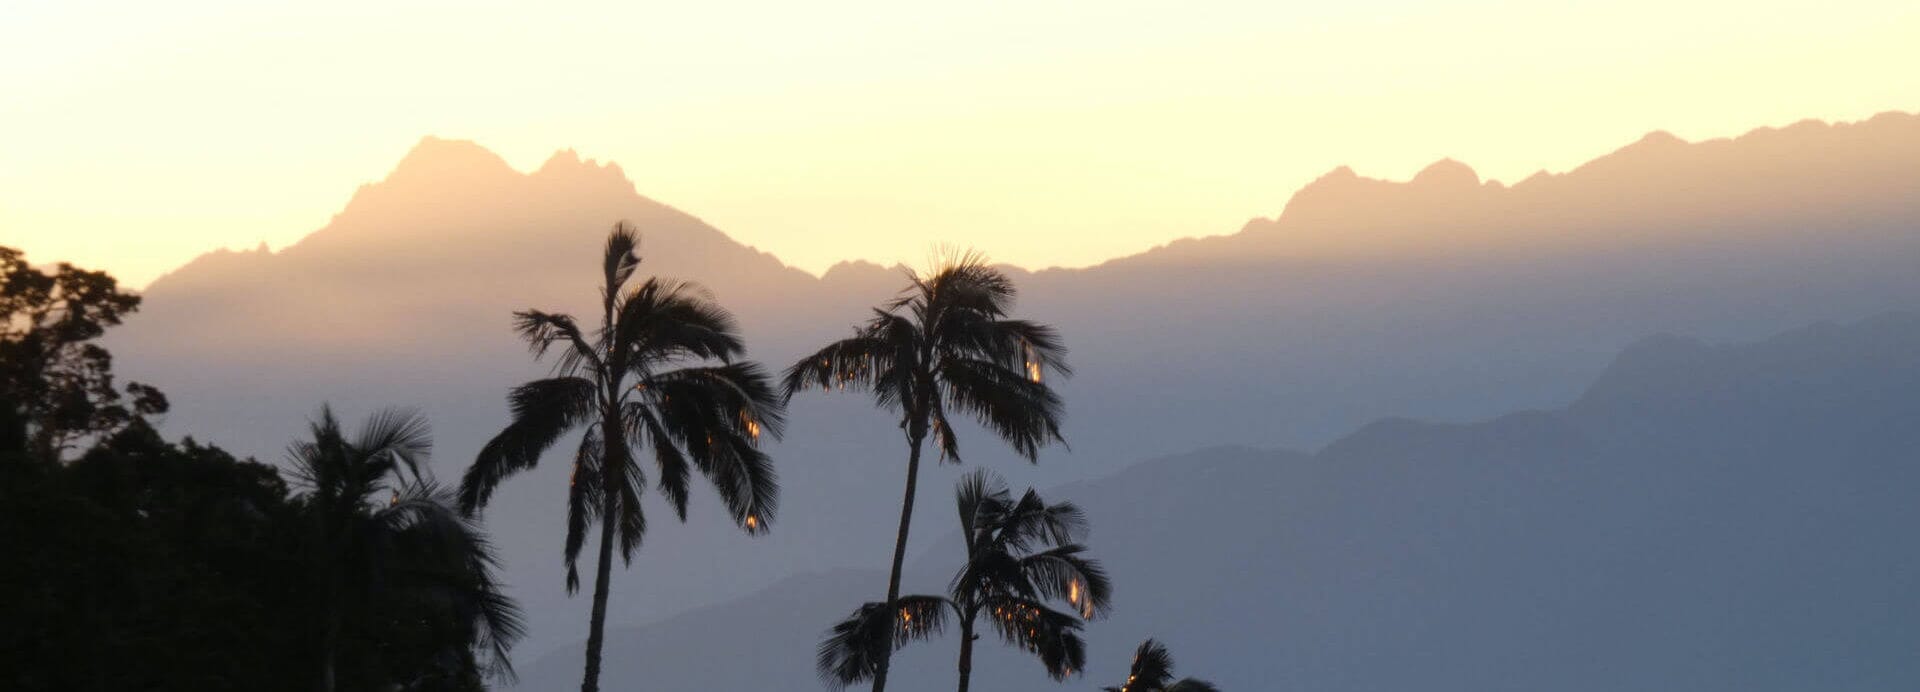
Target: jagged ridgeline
<point>1444,297</point>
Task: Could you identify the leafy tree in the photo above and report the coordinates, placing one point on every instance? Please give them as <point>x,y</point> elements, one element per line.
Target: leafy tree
<point>1152,671</point>
<point>146,565</point>
<point>945,345</point>
<point>58,384</point>
<point>646,377</point>
<point>1021,554</point>
<point>395,561</point>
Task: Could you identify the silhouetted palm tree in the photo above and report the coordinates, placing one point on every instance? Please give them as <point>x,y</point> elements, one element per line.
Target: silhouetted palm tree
<point>645,378</point>
<point>385,538</point>
<point>1020,555</point>
<point>952,348</point>
<point>1152,671</point>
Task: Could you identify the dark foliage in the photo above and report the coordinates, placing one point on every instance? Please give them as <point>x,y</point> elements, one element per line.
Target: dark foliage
<point>659,372</point>
<point>1152,671</point>
<point>945,345</point>
<point>149,565</point>
<point>1022,554</point>
<point>54,381</point>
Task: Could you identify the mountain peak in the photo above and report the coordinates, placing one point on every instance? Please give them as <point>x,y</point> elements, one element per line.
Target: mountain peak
<point>568,163</point>
<point>1447,173</point>
<point>1662,138</point>
<point>436,157</point>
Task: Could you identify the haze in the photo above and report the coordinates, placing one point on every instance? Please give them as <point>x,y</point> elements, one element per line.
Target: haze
<point>1442,298</point>
<point>138,135</point>
<point>1484,346</point>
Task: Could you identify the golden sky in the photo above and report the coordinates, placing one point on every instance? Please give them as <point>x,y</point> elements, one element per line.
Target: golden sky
<point>135,135</point>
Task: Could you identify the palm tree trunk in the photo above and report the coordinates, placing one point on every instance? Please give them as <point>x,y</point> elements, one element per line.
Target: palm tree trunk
<point>330,635</point>
<point>966,653</point>
<point>329,642</point>
<point>597,624</point>
<point>900,551</point>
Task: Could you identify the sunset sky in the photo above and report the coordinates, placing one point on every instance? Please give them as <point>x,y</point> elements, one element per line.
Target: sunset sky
<point>135,135</point>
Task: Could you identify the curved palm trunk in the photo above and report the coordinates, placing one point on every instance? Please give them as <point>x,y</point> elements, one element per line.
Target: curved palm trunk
<point>900,551</point>
<point>966,652</point>
<point>597,627</point>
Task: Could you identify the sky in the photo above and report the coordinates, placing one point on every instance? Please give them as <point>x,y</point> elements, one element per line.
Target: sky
<point>136,135</point>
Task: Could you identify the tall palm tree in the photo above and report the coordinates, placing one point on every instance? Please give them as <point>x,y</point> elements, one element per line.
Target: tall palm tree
<point>385,538</point>
<point>660,372</point>
<point>945,344</point>
<point>1152,671</point>
<point>1021,554</point>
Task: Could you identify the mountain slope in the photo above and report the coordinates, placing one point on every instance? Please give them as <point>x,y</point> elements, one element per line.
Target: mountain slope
<point>1441,298</point>
<point>1739,529</point>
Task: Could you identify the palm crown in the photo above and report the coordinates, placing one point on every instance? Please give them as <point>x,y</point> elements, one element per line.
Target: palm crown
<point>945,345</point>
<point>622,386</point>
<point>1021,555</point>
<point>386,538</point>
<point>1152,671</point>
<point>661,373</point>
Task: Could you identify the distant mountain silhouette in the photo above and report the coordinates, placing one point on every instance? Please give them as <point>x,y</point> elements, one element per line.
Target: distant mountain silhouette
<point>1660,190</point>
<point>1444,298</point>
<point>1704,518</point>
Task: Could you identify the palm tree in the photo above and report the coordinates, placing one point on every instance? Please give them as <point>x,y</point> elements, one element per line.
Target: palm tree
<point>1152,671</point>
<point>660,372</point>
<point>945,343</point>
<point>384,538</point>
<point>1020,555</point>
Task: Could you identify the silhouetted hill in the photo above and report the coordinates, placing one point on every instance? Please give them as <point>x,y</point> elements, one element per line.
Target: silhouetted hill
<point>1705,518</point>
<point>1441,298</point>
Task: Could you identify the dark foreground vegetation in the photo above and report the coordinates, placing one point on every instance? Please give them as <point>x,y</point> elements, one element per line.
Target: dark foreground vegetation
<point>137,563</point>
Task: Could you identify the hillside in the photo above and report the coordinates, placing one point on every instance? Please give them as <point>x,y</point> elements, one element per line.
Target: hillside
<point>1741,528</point>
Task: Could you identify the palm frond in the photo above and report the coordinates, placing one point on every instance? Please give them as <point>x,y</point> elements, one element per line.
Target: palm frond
<point>738,396</point>
<point>629,484</point>
<point>312,469</point>
<point>1019,345</point>
<point>1031,521</point>
<point>644,428</point>
<point>1191,685</point>
<point>981,499</point>
<point>621,256</point>
<point>663,320</point>
<point>852,650</point>
<point>858,361</point>
<point>1061,573</point>
<point>1051,635</point>
<point>455,564</point>
<point>543,410</point>
<point>961,282</point>
<point>1152,668</point>
<point>396,436</point>
<point>1023,412</point>
<point>541,330</point>
<point>584,502</point>
<point>941,429</point>
<point>718,415</point>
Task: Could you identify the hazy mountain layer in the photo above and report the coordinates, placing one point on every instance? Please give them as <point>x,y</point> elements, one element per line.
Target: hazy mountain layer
<point>1441,298</point>
<point>1703,518</point>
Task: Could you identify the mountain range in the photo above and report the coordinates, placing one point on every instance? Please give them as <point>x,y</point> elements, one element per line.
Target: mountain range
<point>1439,298</point>
<point>1704,517</point>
